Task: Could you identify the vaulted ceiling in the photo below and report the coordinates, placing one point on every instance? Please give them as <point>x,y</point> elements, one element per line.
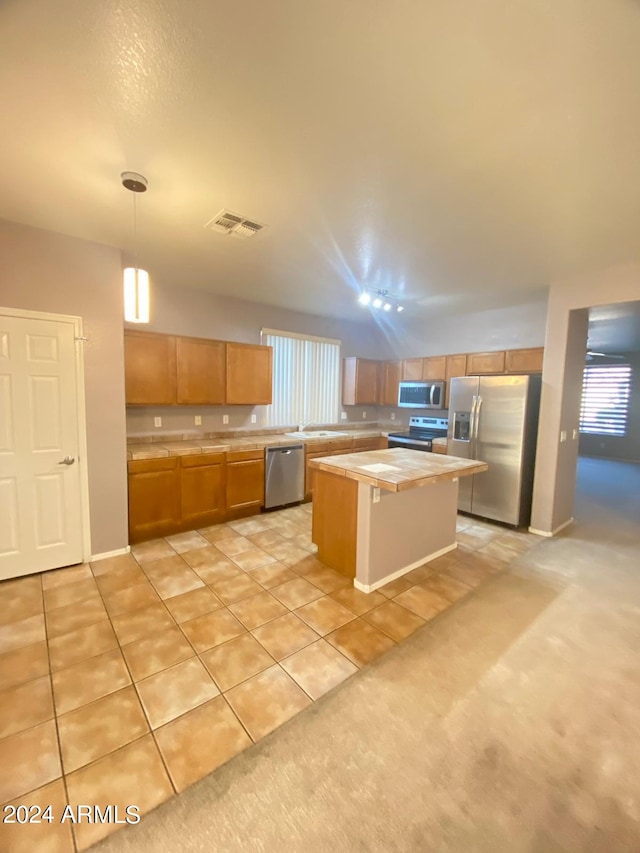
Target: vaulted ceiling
<point>460,154</point>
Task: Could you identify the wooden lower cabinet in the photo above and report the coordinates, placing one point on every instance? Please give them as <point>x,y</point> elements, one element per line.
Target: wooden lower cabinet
<point>335,522</point>
<point>245,482</point>
<point>179,493</point>
<point>154,498</point>
<point>202,492</point>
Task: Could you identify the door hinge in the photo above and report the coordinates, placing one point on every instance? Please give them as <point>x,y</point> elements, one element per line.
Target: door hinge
<point>81,338</point>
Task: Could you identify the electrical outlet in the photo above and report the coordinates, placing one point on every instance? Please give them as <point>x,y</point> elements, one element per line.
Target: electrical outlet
<point>364,416</point>
<point>376,495</point>
<point>225,419</point>
<point>254,419</point>
<point>157,422</point>
<point>393,416</point>
<point>343,416</point>
<point>198,420</point>
<point>563,435</point>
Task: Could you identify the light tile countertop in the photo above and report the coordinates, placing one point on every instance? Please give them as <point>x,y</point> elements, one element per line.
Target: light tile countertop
<point>146,448</point>
<point>398,469</point>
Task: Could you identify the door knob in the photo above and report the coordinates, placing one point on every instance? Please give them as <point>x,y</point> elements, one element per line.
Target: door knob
<point>68,460</point>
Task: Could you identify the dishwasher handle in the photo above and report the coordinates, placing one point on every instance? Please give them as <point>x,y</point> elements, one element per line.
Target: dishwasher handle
<point>285,450</point>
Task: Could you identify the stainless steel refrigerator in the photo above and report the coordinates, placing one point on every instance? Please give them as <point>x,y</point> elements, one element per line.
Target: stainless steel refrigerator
<point>495,419</point>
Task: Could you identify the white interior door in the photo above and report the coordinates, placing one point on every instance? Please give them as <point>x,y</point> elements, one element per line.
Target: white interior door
<point>40,484</point>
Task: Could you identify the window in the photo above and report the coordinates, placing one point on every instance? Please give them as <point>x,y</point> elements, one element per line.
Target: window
<point>605,399</point>
<point>306,379</point>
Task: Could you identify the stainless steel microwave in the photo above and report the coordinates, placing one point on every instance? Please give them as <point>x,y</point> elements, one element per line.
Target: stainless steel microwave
<point>421,395</point>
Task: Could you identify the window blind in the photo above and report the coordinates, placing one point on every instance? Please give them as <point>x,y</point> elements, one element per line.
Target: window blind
<point>606,392</point>
<point>306,379</point>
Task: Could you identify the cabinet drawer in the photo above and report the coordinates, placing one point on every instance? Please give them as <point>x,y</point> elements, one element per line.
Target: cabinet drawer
<point>341,445</point>
<point>244,455</point>
<point>320,448</point>
<point>145,466</point>
<point>202,460</point>
<point>366,443</point>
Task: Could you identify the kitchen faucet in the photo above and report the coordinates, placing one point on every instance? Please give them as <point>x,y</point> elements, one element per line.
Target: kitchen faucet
<point>303,424</point>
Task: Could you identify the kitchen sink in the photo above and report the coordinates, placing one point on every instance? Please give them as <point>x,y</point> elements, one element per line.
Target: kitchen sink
<point>316,433</point>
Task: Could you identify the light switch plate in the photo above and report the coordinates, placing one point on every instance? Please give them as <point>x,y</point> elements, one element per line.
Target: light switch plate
<point>254,419</point>
<point>393,416</point>
<point>225,419</point>
<point>157,422</point>
<point>376,495</point>
<point>343,416</point>
<point>563,435</point>
<point>198,420</point>
<point>364,416</point>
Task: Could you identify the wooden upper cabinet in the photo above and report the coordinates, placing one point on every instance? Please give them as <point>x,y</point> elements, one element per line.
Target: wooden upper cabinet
<point>360,382</point>
<point>485,362</point>
<point>201,372</point>
<point>249,374</point>
<point>412,370</point>
<point>149,368</point>
<point>392,371</point>
<point>434,368</point>
<point>456,366</point>
<point>524,360</point>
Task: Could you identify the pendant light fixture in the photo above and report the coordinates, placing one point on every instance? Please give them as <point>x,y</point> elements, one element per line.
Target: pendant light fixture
<point>136,281</point>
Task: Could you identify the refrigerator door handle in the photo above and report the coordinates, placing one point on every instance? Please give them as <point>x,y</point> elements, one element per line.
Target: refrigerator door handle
<point>472,427</point>
<point>477,420</point>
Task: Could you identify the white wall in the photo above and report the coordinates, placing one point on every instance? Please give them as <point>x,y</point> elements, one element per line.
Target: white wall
<point>514,327</point>
<point>565,347</point>
<point>44,271</point>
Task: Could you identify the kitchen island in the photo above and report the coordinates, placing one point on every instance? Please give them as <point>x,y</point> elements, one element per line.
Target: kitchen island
<point>381,513</point>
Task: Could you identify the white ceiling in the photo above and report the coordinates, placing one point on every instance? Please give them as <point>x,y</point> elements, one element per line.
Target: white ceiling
<point>461,153</point>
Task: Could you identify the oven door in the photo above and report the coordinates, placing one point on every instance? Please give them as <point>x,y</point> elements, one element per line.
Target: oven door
<point>424,444</point>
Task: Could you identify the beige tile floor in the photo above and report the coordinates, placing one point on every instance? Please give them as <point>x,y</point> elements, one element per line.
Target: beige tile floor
<point>124,681</point>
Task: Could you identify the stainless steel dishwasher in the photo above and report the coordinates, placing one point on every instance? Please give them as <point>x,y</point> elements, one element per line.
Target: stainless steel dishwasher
<point>284,475</point>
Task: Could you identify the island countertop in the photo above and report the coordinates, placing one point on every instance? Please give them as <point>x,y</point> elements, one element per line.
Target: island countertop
<point>398,469</point>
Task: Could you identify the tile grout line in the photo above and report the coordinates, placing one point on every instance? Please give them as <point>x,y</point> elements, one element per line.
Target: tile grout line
<point>63,775</point>
<point>470,552</point>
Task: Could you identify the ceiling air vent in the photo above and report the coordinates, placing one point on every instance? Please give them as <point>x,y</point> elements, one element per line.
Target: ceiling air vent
<point>226,222</point>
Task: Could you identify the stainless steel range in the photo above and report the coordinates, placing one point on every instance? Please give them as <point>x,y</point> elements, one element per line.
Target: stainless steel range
<point>421,433</point>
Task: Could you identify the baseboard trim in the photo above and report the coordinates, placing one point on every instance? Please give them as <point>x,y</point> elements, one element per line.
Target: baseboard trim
<point>104,556</point>
<point>552,532</point>
<point>371,587</point>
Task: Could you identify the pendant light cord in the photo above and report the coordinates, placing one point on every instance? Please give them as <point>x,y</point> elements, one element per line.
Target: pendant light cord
<point>135,255</point>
